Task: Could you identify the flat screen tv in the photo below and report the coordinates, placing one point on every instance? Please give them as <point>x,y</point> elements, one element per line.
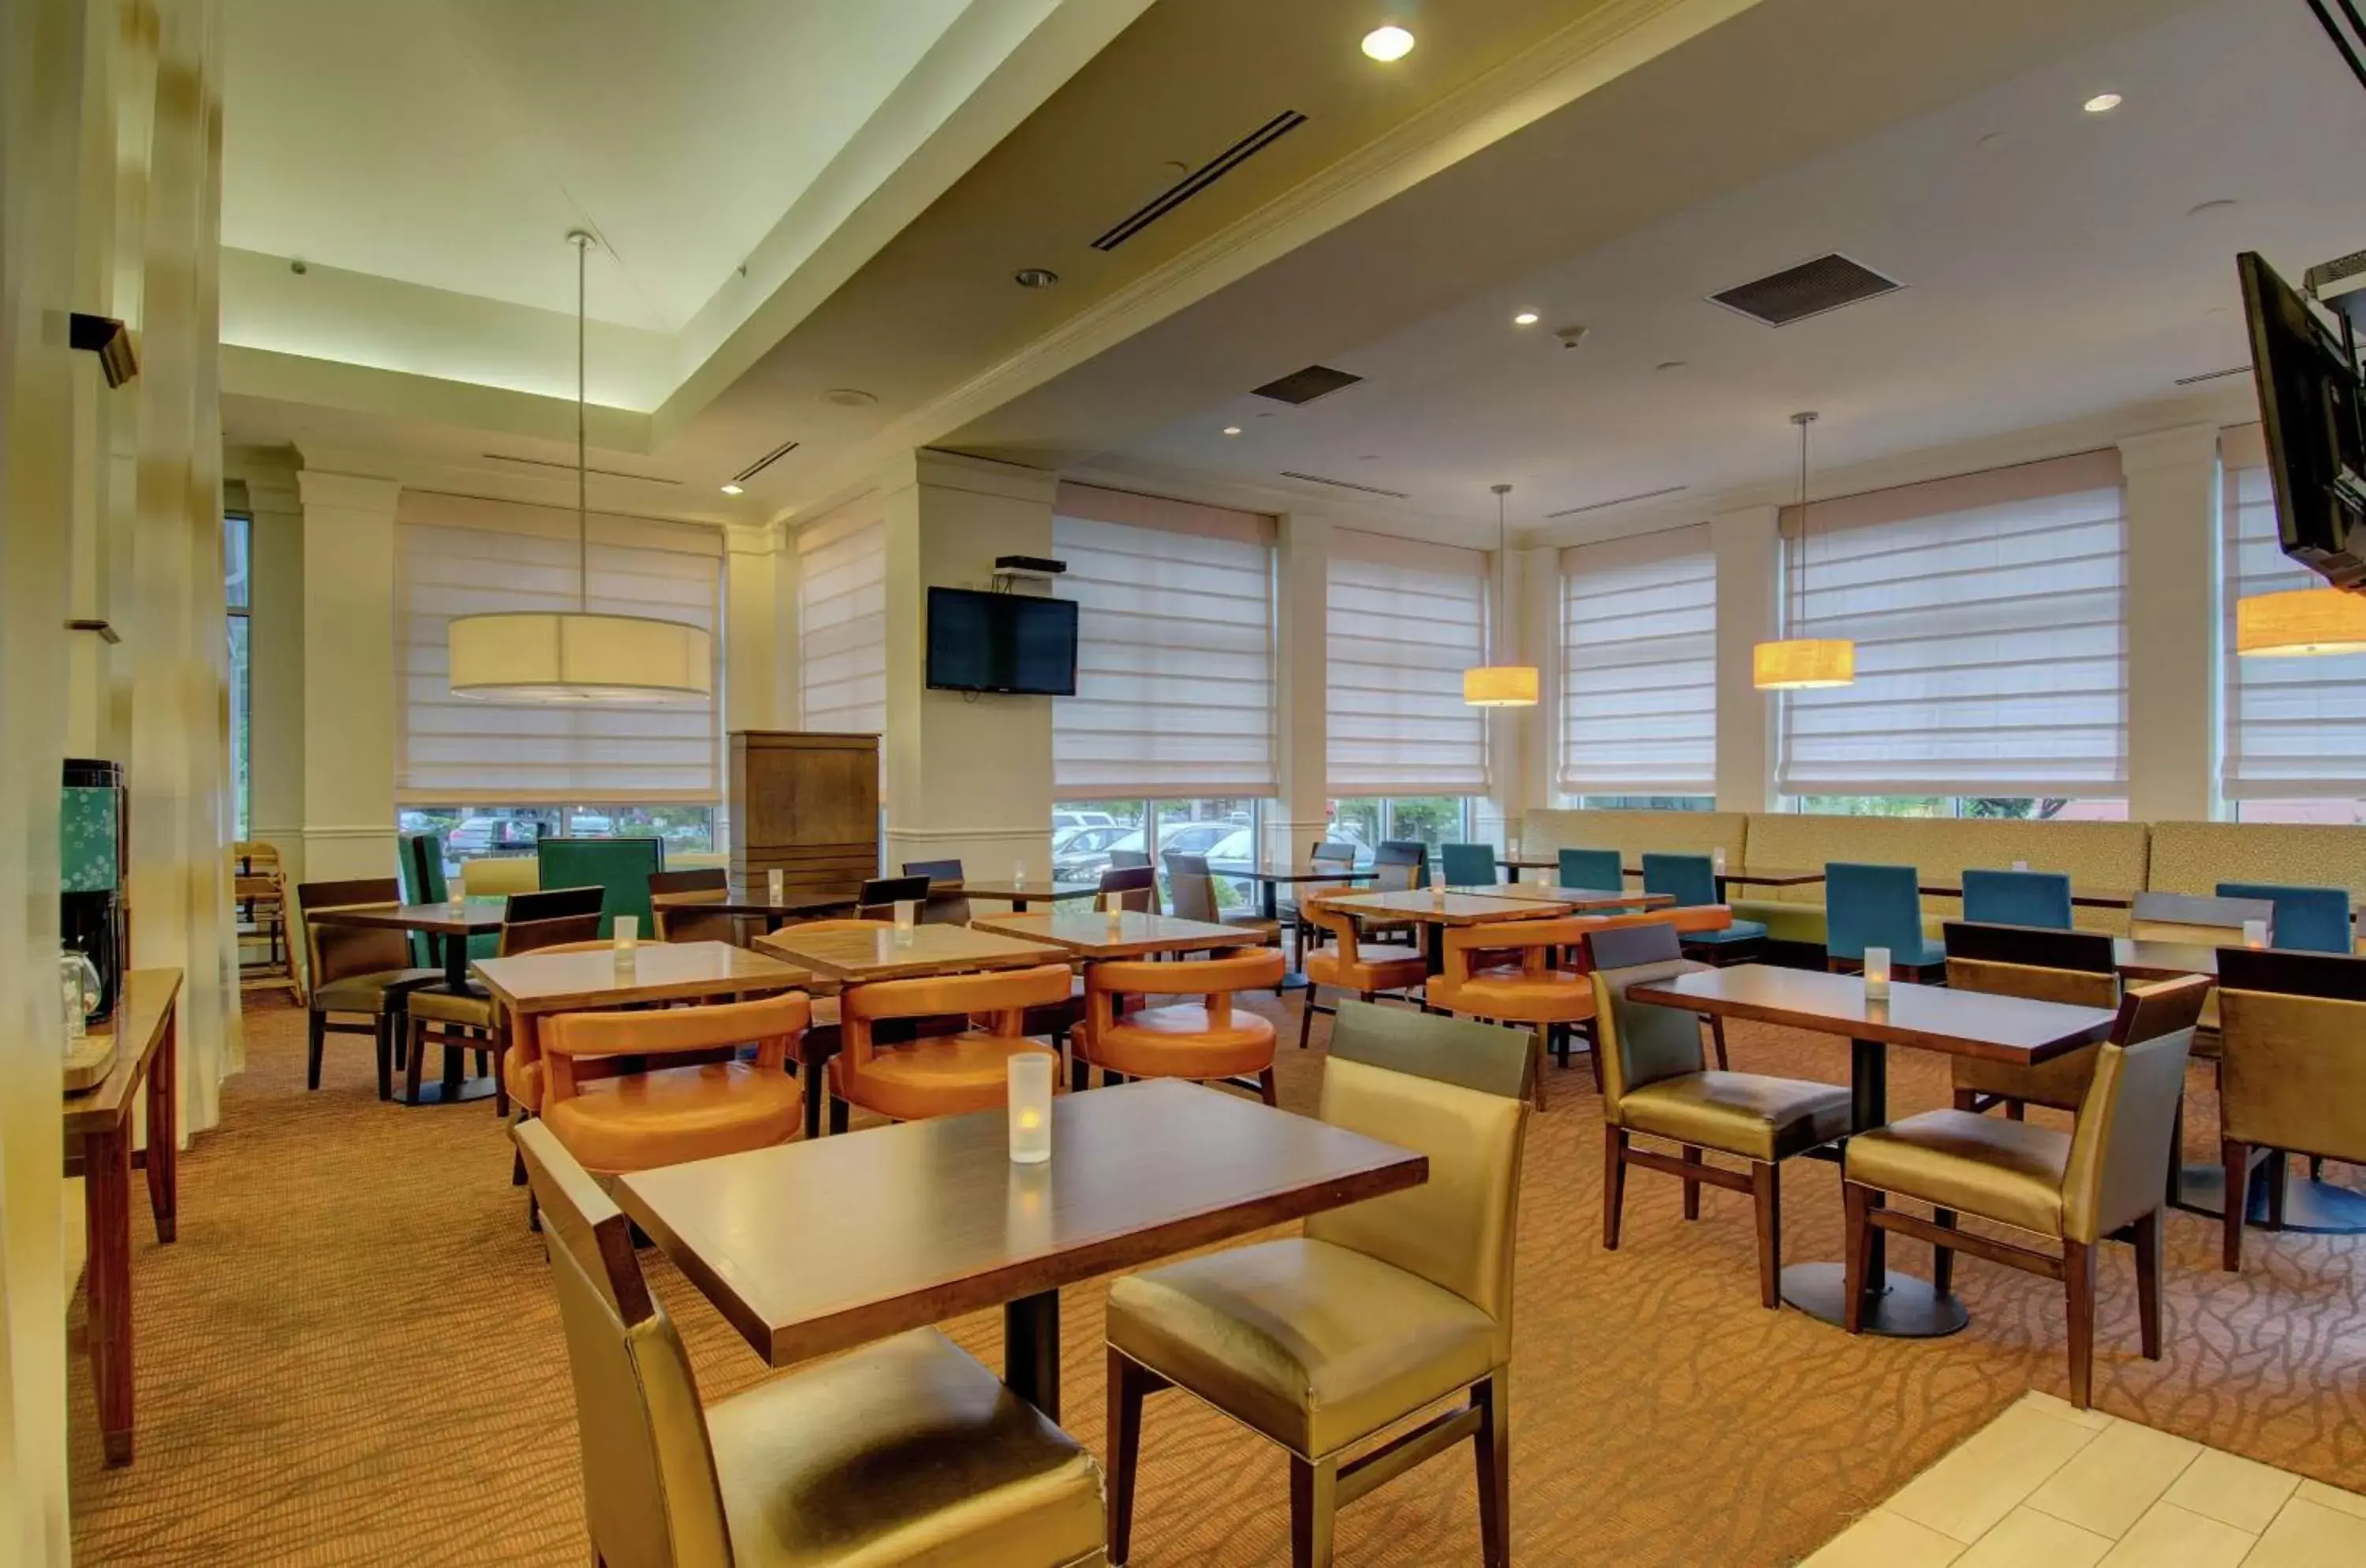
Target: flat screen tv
<point>2309,404</point>
<point>1011,643</point>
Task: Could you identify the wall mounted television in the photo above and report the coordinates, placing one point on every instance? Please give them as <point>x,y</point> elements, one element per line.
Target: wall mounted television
<point>2312,404</point>
<point>1010,643</point>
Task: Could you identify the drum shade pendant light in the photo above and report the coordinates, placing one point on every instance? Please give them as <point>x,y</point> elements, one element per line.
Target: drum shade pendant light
<point>2303,624</point>
<point>1500,685</point>
<point>1798,664</point>
<point>575,656</point>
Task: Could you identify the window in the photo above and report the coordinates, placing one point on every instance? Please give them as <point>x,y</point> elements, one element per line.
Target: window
<point>1647,802</point>
<point>457,555</point>
<point>2019,808</point>
<point>1639,666</point>
<point>1369,821</point>
<point>1088,835</point>
<point>1405,621</point>
<point>480,833</point>
<point>1174,649</point>
<point>238,593</point>
<point>842,620</point>
<point>1991,656</point>
<point>2296,747</point>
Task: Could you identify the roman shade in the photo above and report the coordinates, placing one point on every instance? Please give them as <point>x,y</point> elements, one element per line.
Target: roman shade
<point>1405,620</point>
<point>842,620</point>
<point>1639,665</point>
<point>465,556</point>
<point>1175,640</point>
<point>2295,728</point>
<point>1989,613</point>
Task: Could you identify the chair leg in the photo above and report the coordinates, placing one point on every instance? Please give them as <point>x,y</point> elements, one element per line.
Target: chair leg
<point>1766,1192</point>
<point>840,1113</point>
<point>1857,1203</point>
<point>1306,1015</point>
<point>2237,1160</point>
<point>2079,1290</point>
<point>2275,1171</point>
<point>1313,1503</point>
<point>1692,1187</point>
<point>317,1034</point>
<point>501,1071</point>
<point>1613,1184</point>
<point>1126,1385</point>
<point>1266,1088</point>
<point>1593,1053</point>
<point>1968,1099</point>
<point>2016,1111</point>
<point>1536,1051</point>
<point>517,1168</point>
<point>415,1034</point>
<point>1080,1073</point>
<point>1717,1039</point>
<point>2148,1238</point>
<point>1492,1446</point>
<point>382,1040</point>
<point>1943,1258</point>
<point>1560,1037</point>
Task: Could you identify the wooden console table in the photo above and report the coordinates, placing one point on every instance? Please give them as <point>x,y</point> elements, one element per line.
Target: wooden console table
<point>98,1133</point>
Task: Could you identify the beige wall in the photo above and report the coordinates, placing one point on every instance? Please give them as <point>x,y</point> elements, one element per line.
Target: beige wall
<point>349,680</point>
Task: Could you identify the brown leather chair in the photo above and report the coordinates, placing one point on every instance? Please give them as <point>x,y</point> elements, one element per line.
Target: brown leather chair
<point>1136,886</point>
<point>943,1075</point>
<point>666,1115</point>
<point>1322,1342</point>
<point>2043,964</point>
<point>1208,1040</point>
<point>2292,1079</point>
<point>354,972</point>
<point>1351,965</point>
<point>1656,1082</point>
<point>905,1451</point>
<point>2101,1181</point>
<point>531,922</point>
<point>947,905</point>
<point>709,883</point>
<point>1191,893</point>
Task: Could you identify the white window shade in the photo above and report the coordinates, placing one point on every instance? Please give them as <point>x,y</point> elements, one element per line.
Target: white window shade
<point>1175,693</point>
<point>460,555</point>
<point>2295,728</point>
<point>1989,613</point>
<point>1405,620</point>
<point>843,620</point>
<point>1639,665</point>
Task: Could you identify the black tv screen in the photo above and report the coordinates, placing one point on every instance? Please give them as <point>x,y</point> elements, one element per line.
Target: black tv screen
<point>2310,405</point>
<point>1001,642</point>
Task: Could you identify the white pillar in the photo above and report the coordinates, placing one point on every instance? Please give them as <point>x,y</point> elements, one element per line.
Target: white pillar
<point>1747,546</point>
<point>275,763</point>
<point>2172,496</point>
<point>754,694</point>
<point>1302,814</point>
<point>349,686</point>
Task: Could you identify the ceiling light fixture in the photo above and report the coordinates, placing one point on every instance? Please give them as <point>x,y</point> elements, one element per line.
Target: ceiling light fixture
<point>735,490</point>
<point>1232,430</point>
<point>1798,664</point>
<point>1500,685</point>
<point>1387,44</point>
<point>2104,103</point>
<point>2306,623</point>
<point>1526,318</point>
<point>1035,278</point>
<point>575,656</point>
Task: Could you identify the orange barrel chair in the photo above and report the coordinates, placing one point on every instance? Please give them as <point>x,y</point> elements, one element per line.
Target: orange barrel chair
<point>944,1074</point>
<point>666,1115</point>
<point>1206,1040</point>
<point>522,1069</point>
<point>1346,965</point>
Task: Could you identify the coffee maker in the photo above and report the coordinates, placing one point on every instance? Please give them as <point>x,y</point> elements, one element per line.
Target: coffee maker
<point>94,832</point>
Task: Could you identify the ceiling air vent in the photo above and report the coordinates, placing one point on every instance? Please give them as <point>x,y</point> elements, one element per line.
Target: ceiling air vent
<point>1807,290</point>
<point>569,467</point>
<point>766,461</point>
<point>2213,376</point>
<point>1199,179</point>
<point>1622,501</point>
<point>1346,484</point>
<point>1304,386</point>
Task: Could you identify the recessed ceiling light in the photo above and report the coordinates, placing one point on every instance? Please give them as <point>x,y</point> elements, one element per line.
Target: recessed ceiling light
<point>735,490</point>
<point>1232,430</point>
<point>1526,318</point>
<point>1035,278</point>
<point>2104,103</point>
<point>1389,43</point>
<point>849,398</point>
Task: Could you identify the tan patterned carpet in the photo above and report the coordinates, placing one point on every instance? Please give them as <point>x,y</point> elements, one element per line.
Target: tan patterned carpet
<point>352,1357</point>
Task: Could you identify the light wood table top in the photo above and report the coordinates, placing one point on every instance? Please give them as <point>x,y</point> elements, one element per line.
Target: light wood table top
<point>1446,910</point>
<point>661,972</point>
<point>1003,890</point>
<point>1089,933</point>
<point>754,901</point>
<point>907,1225</point>
<point>475,917</point>
<point>1578,899</point>
<point>1930,1017</point>
<point>146,1006</point>
<point>854,955</point>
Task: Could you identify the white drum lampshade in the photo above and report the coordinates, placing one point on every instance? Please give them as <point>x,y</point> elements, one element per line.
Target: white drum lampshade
<point>577,657</point>
<point>2302,623</point>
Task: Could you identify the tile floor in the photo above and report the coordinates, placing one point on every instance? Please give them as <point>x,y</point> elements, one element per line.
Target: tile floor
<point>2046,1487</point>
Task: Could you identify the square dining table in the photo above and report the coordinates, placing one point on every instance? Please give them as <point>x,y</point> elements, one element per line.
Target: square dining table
<point>854,955</point>
<point>1581,900</point>
<point>449,926</point>
<point>1437,911</point>
<point>924,1221</point>
<point>1130,933</point>
<point>535,982</point>
<point>750,900</point>
<point>2012,1030</point>
<point>1021,892</point>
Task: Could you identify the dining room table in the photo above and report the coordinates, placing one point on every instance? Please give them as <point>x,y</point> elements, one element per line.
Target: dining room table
<point>2015,1031</point>
<point>1096,935</point>
<point>751,901</point>
<point>927,1221</point>
<point>855,955</point>
<point>447,926</point>
<point>1023,893</point>
<point>1581,900</point>
<point>1436,912</point>
<point>586,980</point>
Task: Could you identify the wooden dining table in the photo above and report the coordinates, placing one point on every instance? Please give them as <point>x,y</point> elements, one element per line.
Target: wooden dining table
<point>2011,1029</point>
<point>750,901</point>
<point>535,982</point>
<point>1131,933</point>
<point>1581,900</point>
<point>854,955</point>
<point>1438,911</point>
<point>1022,894</point>
<point>925,1221</point>
<point>449,926</point>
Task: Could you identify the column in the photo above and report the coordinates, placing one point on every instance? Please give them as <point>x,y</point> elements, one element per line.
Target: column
<point>349,679</point>
<point>754,694</point>
<point>2171,496</point>
<point>274,760</point>
<point>968,775</point>
<point>1300,815</point>
<point>1525,740</point>
<point>1747,544</point>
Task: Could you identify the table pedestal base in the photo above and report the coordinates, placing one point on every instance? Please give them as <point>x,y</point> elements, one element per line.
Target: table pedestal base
<point>445,1093</point>
<point>2315,1206</point>
<point>1031,1350</point>
<point>1909,1308</point>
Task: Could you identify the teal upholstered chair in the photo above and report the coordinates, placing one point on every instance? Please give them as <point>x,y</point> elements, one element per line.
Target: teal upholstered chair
<point>2016,899</point>
<point>424,881</point>
<point>2308,920</point>
<point>1599,870</point>
<point>1691,881</point>
<point>1877,905</point>
<point>621,867</point>
<point>1468,865</point>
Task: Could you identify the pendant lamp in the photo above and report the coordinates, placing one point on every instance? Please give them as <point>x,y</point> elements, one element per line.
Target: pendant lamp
<point>1798,664</point>
<point>1500,685</point>
<point>2302,623</point>
<point>575,656</point>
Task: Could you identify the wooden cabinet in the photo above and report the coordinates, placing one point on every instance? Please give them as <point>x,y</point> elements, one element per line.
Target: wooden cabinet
<point>804,803</point>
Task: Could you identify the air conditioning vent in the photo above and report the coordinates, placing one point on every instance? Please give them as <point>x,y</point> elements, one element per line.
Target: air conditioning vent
<point>569,467</point>
<point>1622,501</point>
<point>1199,179</point>
<point>1807,290</point>
<point>1346,484</point>
<point>2213,376</point>
<point>1302,386</point>
<point>766,461</point>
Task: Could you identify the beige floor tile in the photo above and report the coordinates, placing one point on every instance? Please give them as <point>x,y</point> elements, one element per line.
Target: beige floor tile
<point>2233,1491</point>
<point>2109,1483</point>
<point>2027,1539</point>
<point>2306,1534</point>
<point>1883,1540</point>
<point>2332,1497</point>
<point>2056,1405</point>
<point>2171,1537</point>
<point>1988,1477</point>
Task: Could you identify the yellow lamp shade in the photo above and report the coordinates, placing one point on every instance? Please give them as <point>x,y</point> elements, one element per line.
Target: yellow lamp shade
<point>1500,686</point>
<point>2301,624</point>
<point>573,657</point>
<point>1803,663</point>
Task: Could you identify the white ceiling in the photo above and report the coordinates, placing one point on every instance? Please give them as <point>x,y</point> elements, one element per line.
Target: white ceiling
<point>2053,271</point>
